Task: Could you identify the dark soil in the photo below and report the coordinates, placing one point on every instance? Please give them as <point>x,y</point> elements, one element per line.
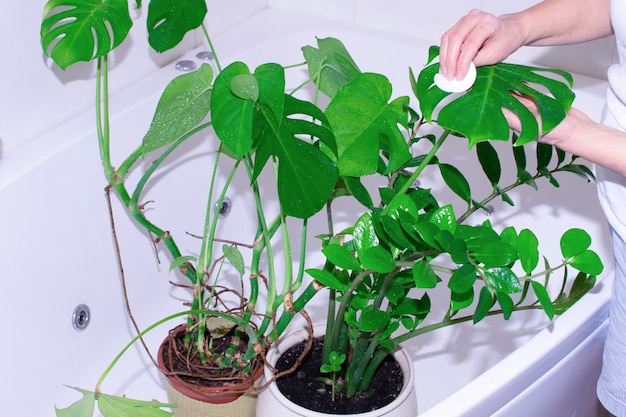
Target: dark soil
<point>301,388</point>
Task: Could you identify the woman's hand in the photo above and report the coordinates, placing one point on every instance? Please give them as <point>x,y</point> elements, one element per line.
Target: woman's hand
<point>479,37</point>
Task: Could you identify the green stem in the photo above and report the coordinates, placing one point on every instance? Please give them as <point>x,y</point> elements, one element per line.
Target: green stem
<point>208,39</point>
<point>423,164</point>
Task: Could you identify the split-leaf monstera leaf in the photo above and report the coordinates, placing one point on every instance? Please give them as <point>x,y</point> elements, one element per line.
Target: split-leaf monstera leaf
<point>477,114</point>
<point>82,30</point>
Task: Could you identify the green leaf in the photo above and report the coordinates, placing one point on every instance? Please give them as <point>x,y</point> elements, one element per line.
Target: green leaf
<point>365,123</point>
<point>373,320</point>
<point>444,218</point>
<point>327,279</point>
<point>506,304</point>
<point>462,279</point>
<point>502,280</point>
<point>245,86</point>
<point>81,408</point>
<point>340,256</point>
<point>588,262</point>
<point>528,250</point>
<point>574,242</point>
<point>459,301</point>
<point>492,253</point>
<point>377,259</point>
<point>182,261</point>
<point>489,161</point>
<point>115,406</point>
<point>544,298</point>
<point>424,276</point>
<point>232,116</point>
<point>330,65</point>
<point>234,256</point>
<point>478,115</point>
<point>169,20</point>
<point>544,156</point>
<point>185,102</point>
<point>456,181</point>
<point>485,302</point>
<point>364,235</point>
<point>82,30</point>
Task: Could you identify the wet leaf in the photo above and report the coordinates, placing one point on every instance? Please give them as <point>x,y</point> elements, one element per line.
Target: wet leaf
<point>478,115</point>
<point>169,20</point>
<point>185,102</point>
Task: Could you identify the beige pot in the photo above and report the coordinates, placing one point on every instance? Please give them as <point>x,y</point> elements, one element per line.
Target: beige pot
<point>271,402</point>
<point>224,401</point>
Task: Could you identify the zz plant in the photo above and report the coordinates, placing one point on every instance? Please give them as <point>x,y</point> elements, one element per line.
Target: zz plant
<point>378,272</point>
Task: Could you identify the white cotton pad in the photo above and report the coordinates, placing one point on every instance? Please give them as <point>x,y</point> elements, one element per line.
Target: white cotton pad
<point>454,85</point>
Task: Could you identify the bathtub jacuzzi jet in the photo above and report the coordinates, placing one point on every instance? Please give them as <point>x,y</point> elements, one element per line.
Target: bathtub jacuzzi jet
<point>491,369</point>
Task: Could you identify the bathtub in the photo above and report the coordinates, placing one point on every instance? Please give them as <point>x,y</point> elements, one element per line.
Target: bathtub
<point>62,288</point>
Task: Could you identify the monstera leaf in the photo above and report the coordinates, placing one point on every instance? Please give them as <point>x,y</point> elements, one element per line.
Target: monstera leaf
<point>330,65</point>
<point>477,114</point>
<point>169,21</point>
<point>82,30</point>
<point>365,123</point>
<point>252,114</point>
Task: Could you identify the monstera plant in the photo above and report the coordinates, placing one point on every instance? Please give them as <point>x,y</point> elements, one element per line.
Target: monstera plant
<point>379,270</point>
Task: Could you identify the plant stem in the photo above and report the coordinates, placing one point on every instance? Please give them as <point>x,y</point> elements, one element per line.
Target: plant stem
<point>423,164</point>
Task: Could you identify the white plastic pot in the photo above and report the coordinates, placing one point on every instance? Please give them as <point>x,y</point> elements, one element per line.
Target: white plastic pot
<point>271,402</point>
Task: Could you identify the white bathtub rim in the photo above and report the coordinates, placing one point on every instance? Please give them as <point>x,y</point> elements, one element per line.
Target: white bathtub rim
<point>552,344</point>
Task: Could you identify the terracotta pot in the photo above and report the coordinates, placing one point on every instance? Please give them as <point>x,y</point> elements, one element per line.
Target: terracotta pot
<point>231,400</point>
<point>272,403</point>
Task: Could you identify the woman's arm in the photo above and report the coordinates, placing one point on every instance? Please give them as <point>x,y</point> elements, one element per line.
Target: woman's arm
<point>487,39</point>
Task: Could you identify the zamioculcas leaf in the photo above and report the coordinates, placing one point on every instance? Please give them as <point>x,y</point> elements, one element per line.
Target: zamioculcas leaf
<point>502,280</point>
<point>364,234</point>
<point>424,276</point>
<point>544,298</point>
<point>340,256</point>
<point>330,65</point>
<point>444,218</point>
<point>527,248</point>
<point>169,20</point>
<point>456,181</point>
<point>506,304</point>
<point>488,158</point>
<point>377,259</point>
<point>327,279</point>
<point>459,301</point>
<point>588,262</point>
<point>82,30</point>
<point>485,302</point>
<point>478,115</point>
<point>462,279</point>
<point>373,320</point>
<point>574,242</point>
<point>493,253</point>
<point>183,104</point>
